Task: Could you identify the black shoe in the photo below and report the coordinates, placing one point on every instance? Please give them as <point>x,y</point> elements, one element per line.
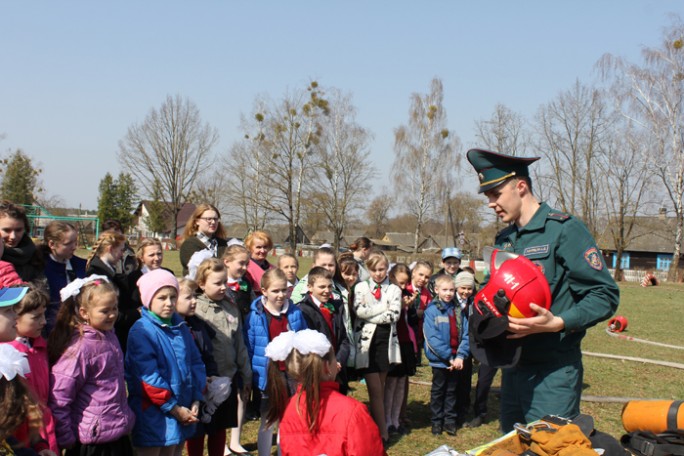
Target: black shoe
<point>475,422</point>
<point>450,428</point>
<point>436,429</point>
<point>391,430</point>
<point>401,430</point>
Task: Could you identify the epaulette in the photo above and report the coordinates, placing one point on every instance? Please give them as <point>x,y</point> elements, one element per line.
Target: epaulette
<point>558,216</point>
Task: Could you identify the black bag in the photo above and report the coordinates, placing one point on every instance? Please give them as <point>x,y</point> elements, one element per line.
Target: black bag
<point>645,443</point>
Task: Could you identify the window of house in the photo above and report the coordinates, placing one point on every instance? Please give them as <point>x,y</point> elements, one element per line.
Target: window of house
<point>624,263</point>
<point>663,262</point>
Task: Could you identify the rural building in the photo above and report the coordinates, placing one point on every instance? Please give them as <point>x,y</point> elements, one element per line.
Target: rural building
<point>141,230</point>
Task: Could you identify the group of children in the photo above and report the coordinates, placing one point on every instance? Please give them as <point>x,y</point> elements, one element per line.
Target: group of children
<point>142,360</point>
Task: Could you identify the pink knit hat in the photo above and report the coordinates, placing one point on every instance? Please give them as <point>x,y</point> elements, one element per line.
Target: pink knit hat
<point>152,281</point>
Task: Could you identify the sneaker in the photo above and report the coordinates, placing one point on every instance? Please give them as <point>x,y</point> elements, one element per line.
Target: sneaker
<point>450,428</point>
<point>436,429</point>
<point>475,422</point>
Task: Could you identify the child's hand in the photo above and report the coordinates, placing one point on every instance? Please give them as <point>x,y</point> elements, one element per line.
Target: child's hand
<point>195,408</point>
<point>457,364</point>
<point>184,415</point>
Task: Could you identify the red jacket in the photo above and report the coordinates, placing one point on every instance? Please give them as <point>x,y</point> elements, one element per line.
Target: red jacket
<point>345,429</point>
<point>8,275</point>
<point>39,382</point>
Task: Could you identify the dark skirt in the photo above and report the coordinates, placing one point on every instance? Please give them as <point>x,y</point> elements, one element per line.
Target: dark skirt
<point>378,353</point>
<point>408,361</point>
<point>121,447</point>
<point>225,416</point>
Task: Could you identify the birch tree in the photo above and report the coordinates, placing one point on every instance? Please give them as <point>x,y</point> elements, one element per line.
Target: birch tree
<point>425,160</point>
<point>344,182</point>
<point>652,95</point>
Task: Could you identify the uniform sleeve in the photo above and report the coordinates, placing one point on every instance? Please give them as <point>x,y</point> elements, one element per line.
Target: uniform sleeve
<point>363,437</point>
<point>142,353</point>
<point>66,380</point>
<point>588,279</point>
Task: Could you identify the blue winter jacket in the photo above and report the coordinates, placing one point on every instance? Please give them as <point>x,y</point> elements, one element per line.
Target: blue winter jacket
<point>256,330</point>
<point>436,331</point>
<point>163,368</point>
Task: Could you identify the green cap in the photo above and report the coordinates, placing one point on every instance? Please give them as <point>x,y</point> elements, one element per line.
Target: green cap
<point>494,168</point>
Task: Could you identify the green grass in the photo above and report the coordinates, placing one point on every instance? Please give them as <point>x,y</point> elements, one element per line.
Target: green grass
<point>654,313</point>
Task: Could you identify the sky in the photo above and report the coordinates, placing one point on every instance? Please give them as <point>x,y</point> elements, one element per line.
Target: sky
<point>76,74</point>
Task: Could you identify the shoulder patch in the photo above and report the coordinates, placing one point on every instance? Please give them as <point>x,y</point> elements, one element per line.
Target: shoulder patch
<point>559,216</point>
<point>593,257</point>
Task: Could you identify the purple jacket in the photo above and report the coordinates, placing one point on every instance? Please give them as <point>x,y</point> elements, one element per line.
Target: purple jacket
<point>88,392</point>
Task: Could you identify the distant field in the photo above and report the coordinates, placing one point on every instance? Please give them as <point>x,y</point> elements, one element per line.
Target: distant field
<point>654,313</point>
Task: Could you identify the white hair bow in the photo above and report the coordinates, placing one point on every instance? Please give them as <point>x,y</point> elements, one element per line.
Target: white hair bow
<point>305,341</point>
<point>74,288</point>
<point>195,260</point>
<point>12,362</point>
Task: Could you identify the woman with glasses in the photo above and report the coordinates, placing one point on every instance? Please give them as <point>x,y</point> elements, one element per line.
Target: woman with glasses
<point>203,231</point>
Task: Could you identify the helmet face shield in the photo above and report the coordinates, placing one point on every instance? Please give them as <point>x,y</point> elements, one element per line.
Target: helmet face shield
<point>522,281</point>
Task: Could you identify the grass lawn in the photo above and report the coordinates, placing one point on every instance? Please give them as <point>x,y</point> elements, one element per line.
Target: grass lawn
<point>654,313</point>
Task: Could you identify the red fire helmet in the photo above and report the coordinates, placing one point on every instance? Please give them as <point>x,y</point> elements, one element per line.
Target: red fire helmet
<point>522,281</point>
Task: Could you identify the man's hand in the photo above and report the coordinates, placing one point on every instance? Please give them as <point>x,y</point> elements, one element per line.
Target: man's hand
<point>545,321</point>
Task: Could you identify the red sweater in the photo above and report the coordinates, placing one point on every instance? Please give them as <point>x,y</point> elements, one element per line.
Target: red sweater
<point>345,427</point>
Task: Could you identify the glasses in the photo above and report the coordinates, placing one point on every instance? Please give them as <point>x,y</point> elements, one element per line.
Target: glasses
<point>210,219</point>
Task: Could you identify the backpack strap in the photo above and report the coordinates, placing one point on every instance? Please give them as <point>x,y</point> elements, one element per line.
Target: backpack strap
<point>650,444</point>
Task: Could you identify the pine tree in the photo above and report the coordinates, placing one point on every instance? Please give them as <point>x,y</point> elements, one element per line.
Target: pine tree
<point>117,198</point>
<point>20,180</point>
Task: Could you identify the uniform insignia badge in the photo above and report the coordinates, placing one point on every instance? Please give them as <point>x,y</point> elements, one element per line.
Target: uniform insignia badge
<point>593,257</point>
<point>536,250</point>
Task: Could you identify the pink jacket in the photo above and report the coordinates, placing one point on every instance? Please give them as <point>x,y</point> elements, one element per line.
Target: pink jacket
<point>39,381</point>
<point>254,273</point>
<point>8,275</point>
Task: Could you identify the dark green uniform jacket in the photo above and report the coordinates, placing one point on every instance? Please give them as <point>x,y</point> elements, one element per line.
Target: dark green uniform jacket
<point>582,289</point>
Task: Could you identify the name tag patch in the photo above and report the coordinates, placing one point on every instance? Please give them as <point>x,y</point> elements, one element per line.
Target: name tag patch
<point>593,257</point>
<point>441,319</point>
<point>536,250</point>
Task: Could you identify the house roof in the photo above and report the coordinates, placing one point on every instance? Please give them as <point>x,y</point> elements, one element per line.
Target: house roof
<point>183,216</point>
<point>649,234</point>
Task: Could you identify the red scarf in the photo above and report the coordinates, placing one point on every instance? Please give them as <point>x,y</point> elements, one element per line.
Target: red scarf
<point>377,291</point>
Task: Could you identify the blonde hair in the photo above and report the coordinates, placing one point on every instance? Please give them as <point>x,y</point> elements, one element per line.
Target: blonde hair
<point>191,225</point>
<point>288,255</point>
<point>147,242</point>
<point>258,236</point>
<point>234,250</point>
<point>270,276</point>
<point>443,278</point>
<point>56,230</point>
<point>308,371</point>
<point>376,257</point>
<point>107,239</point>
<point>69,318</point>
<point>206,267</point>
<point>187,284</point>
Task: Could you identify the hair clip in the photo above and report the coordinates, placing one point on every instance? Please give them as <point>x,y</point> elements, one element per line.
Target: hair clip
<point>74,288</point>
<point>12,362</point>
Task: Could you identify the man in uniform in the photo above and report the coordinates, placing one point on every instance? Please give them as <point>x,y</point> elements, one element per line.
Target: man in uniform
<point>548,378</point>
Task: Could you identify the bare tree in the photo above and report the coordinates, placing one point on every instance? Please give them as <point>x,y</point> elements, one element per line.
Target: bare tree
<point>291,135</point>
<point>248,165</point>
<point>377,214</point>
<point>503,132</point>
<point>626,179</point>
<point>343,185</point>
<point>425,159</point>
<point>570,129</point>
<point>171,145</point>
<point>653,96</point>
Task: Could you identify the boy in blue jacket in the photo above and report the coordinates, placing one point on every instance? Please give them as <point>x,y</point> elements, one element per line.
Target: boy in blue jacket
<point>445,328</point>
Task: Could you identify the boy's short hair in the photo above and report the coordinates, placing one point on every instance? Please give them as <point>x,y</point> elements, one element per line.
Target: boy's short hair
<point>318,273</point>
<point>33,300</point>
<point>443,278</point>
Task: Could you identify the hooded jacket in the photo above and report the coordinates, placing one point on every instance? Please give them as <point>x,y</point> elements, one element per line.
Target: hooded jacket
<point>163,369</point>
